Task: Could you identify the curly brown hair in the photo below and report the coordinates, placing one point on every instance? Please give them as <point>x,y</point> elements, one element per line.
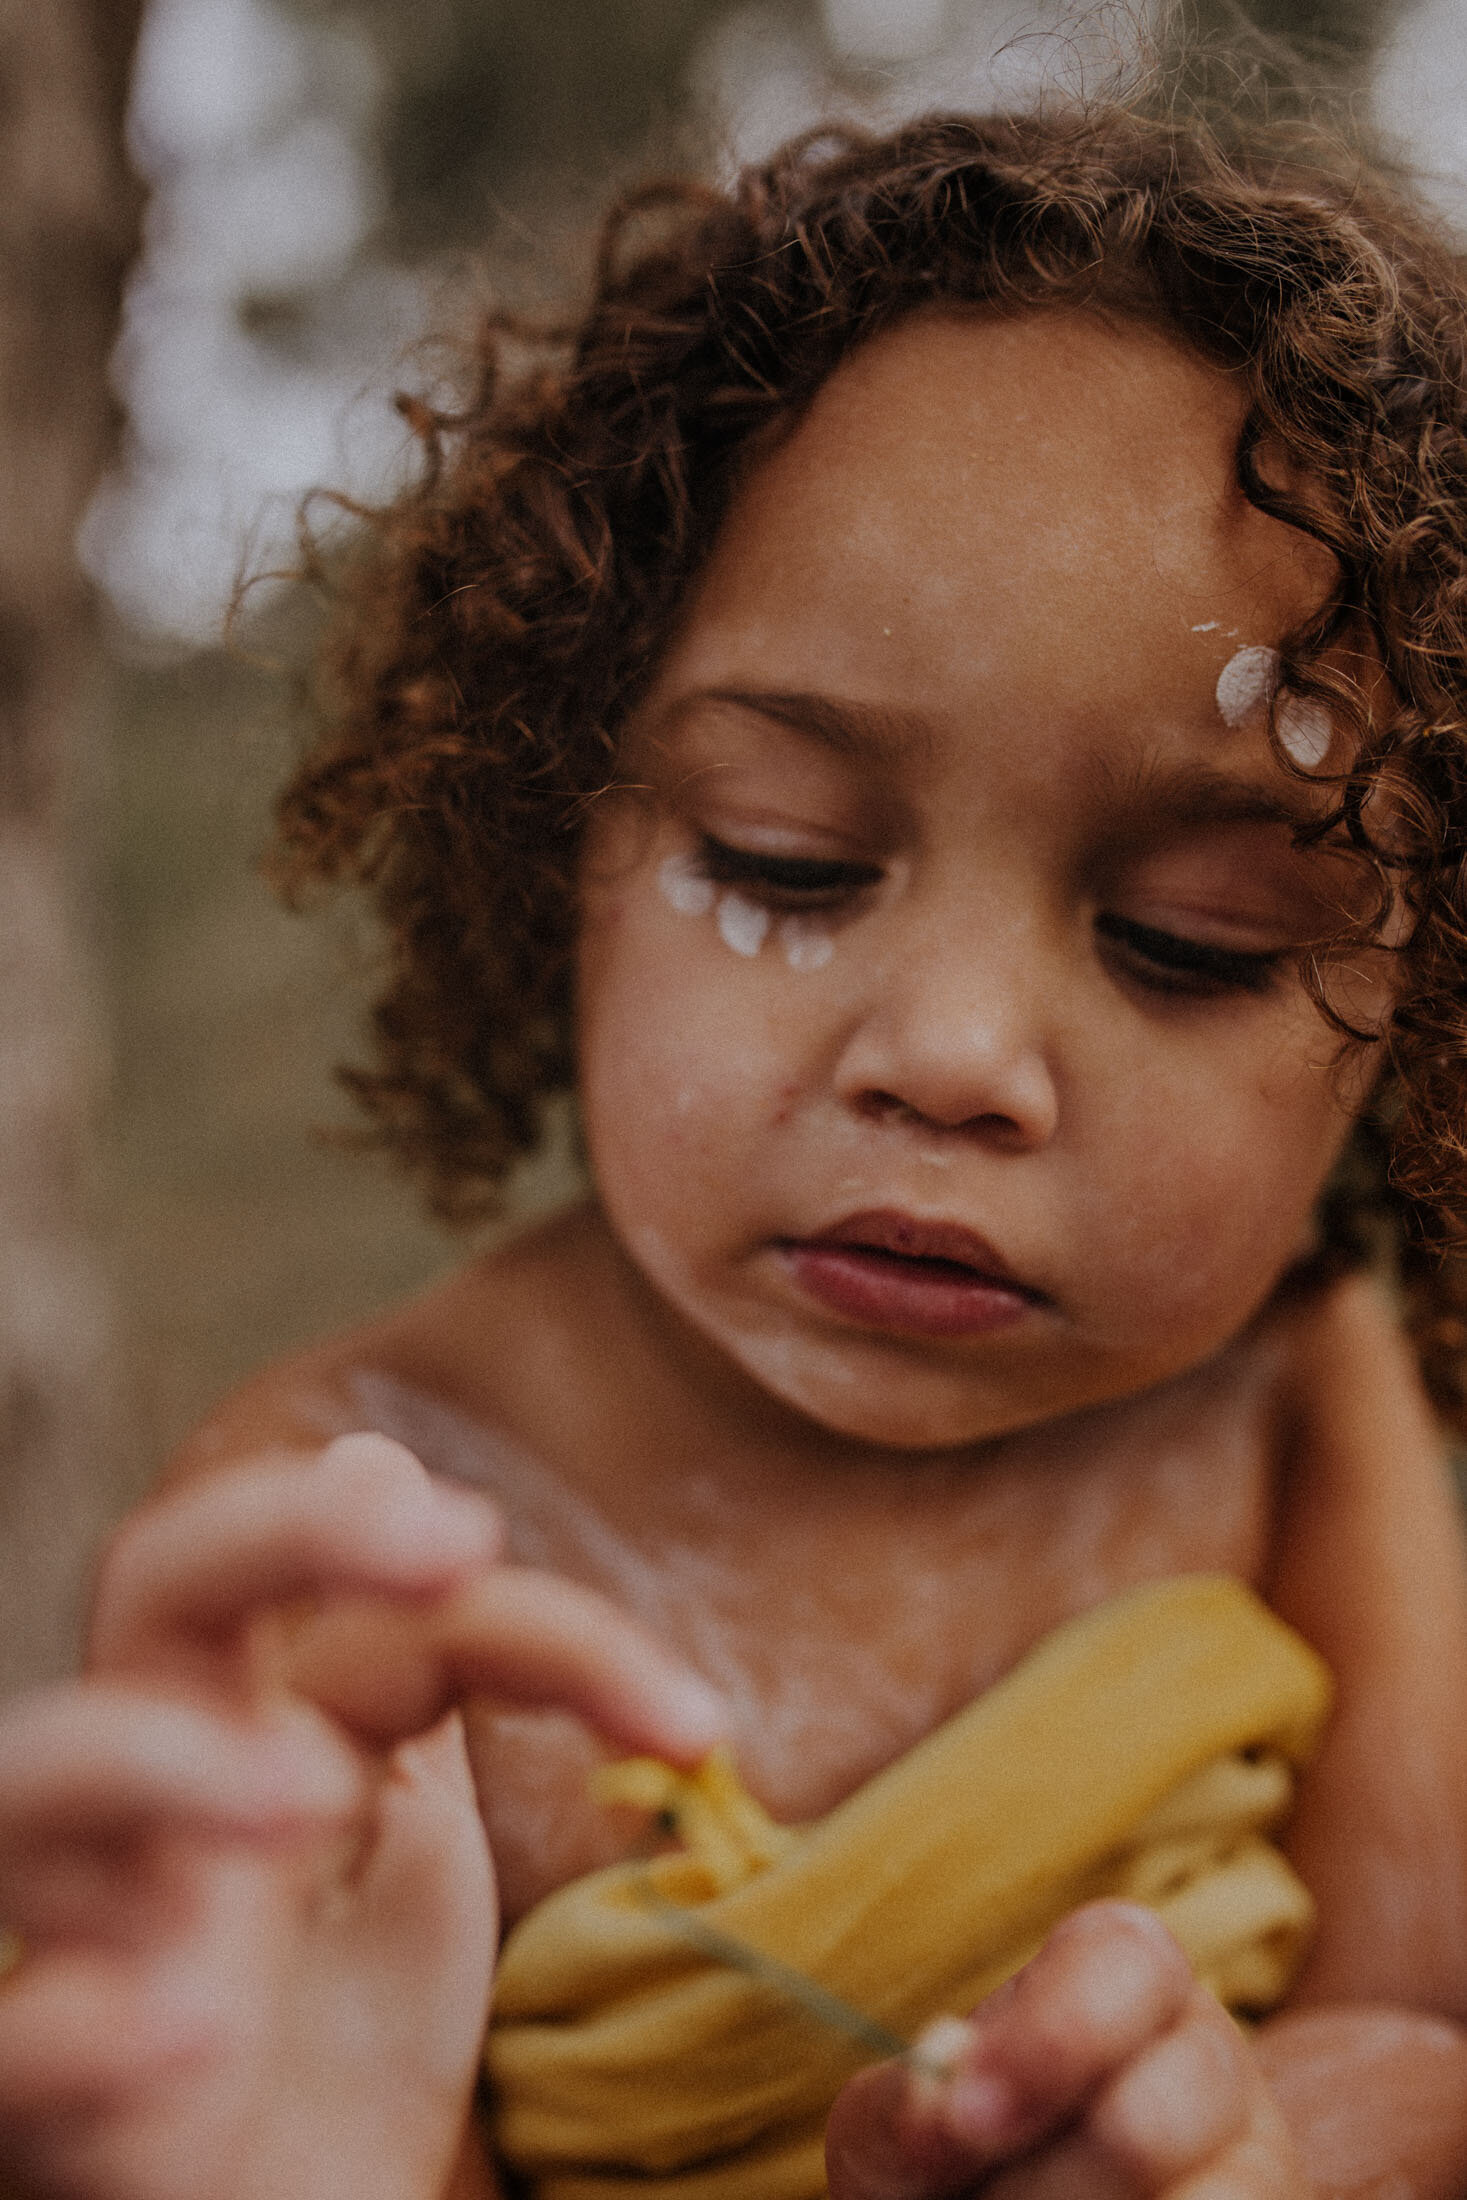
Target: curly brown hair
<point>495,624</point>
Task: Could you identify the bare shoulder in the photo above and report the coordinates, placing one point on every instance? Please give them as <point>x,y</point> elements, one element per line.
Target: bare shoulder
<point>1370,1564</point>
<point>427,1372</point>
<point>1366,1474</point>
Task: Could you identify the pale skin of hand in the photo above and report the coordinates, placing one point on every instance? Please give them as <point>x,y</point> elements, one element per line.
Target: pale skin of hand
<point>244,1856</point>
<point>1100,2072</point>
<point>1103,2072</point>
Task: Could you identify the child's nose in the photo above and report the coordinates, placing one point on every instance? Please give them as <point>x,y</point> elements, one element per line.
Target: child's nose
<point>959,1043</point>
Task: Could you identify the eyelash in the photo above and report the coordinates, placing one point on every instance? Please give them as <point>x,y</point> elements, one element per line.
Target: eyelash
<point>1171,964</point>
<point>1163,960</point>
<point>784,882</point>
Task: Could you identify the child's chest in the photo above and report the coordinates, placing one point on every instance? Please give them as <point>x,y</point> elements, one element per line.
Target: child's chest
<point>844,1616</point>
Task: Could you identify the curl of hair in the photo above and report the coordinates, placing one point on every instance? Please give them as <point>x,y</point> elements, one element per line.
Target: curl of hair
<point>496,623</point>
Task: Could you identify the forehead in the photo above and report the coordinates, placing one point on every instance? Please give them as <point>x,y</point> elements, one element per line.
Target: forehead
<point>1043,501</point>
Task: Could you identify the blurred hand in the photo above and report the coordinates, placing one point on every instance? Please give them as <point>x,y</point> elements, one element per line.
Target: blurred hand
<point>1100,2072</point>
<point>244,1855</point>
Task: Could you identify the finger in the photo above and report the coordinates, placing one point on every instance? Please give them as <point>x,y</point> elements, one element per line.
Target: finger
<point>1108,1979</point>
<point>885,2141</point>
<point>1192,2116</point>
<point>425,1882</point>
<point>363,1517</point>
<point>1180,2102</point>
<point>82,2032</point>
<point>519,1636</point>
<point>94,1758</point>
<point>1072,2167</point>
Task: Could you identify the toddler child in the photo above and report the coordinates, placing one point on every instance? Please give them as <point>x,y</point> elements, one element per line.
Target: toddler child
<point>940,708</point>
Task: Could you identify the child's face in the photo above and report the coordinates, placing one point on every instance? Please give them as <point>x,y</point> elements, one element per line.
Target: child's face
<point>942,1059</point>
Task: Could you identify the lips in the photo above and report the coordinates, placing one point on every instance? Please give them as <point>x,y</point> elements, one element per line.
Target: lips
<point>893,1271</point>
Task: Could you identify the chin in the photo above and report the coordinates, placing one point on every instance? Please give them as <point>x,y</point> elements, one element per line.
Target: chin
<point>874,1393</point>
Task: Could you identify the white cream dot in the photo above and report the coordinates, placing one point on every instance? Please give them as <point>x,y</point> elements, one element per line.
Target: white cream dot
<point>1247,681</point>
<point>742,924</point>
<point>1305,730</point>
<point>806,943</point>
<point>684,886</point>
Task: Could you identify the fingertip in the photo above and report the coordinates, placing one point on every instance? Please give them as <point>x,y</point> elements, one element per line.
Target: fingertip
<point>370,1449</point>
<point>1139,1925</point>
<point>472,1517</point>
<point>1180,2101</point>
<point>696,1720</point>
<point>1125,1966</point>
<point>953,2085</point>
<point>437,1530</point>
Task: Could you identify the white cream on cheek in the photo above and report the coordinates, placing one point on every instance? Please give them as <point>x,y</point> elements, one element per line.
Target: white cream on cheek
<point>742,924</point>
<point>806,942</point>
<point>1247,683</point>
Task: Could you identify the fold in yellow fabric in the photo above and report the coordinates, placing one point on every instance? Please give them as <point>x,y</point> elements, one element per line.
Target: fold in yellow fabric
<point>649,2025</point>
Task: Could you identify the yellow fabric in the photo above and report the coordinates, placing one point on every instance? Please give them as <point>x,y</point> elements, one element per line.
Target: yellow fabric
<point>1142,1750</point>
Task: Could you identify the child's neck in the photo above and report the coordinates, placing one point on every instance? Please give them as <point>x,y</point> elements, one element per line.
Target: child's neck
<point>652,1376</point>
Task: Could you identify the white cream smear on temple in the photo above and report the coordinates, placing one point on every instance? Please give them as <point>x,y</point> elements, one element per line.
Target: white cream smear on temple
<point>742,924</point>
<point>1248,682</point>
<point>1305,730</point>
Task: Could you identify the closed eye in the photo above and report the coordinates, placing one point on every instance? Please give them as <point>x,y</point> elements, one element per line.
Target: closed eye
<point>1172,964</point>
<point>785,882</point>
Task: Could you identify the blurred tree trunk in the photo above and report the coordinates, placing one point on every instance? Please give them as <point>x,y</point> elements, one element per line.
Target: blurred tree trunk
<point>69,214</point>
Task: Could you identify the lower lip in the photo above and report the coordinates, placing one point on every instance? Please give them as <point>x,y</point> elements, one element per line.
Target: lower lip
<point>922,1298</point>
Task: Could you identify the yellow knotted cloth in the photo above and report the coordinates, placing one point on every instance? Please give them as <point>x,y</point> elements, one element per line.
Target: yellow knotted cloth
<point>1142,1750</point>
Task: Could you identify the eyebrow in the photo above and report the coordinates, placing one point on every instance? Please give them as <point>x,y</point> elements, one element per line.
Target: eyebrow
<point>1155,794</point>
<point>844,727</point>
<point>1195,794</point>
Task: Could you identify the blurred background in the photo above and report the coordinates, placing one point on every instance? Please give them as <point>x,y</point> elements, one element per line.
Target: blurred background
<point>227,231</point>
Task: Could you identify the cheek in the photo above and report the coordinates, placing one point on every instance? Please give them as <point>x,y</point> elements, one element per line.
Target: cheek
<point>1221,1178</point>
<point>691,1043</point>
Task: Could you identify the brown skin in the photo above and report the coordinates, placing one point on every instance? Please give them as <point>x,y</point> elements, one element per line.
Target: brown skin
<point>1039,567</point>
